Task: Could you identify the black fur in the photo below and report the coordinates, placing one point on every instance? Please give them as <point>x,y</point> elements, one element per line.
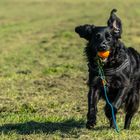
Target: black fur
<point>124,82</point>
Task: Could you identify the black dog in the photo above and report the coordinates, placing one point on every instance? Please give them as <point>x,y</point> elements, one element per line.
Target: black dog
<point>121,68</point>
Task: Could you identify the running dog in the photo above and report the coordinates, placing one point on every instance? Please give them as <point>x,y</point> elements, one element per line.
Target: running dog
<point>121,68</point>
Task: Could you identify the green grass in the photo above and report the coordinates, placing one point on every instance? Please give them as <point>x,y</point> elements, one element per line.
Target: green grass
<point>43,72</point>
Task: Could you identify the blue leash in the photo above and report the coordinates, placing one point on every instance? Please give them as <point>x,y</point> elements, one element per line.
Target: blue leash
<point>102,76</point>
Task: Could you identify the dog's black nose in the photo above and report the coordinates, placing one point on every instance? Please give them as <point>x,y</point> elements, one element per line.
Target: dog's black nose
<point>103,47</point>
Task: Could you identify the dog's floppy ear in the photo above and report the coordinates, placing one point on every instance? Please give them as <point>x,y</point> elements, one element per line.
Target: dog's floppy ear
<point>115,24</point>
<point>85,31</point>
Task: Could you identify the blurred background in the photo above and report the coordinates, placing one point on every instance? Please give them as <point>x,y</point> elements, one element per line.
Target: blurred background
<point>43,70</point>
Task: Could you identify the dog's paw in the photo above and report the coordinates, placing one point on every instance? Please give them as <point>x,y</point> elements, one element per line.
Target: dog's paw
<point>90,124</point>
<point>112,125</point>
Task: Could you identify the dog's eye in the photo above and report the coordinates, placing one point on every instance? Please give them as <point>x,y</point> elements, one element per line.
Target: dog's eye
<point>98,36</point>
<point>108,36</point>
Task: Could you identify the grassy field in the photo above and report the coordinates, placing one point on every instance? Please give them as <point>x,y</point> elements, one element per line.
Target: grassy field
<point>43,71</point>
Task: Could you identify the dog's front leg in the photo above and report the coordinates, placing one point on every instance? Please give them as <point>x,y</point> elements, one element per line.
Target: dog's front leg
<point>122,94</point>
<point>93,98</point>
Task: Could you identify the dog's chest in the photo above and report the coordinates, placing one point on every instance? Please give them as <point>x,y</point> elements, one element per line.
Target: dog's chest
<point>117,81</point>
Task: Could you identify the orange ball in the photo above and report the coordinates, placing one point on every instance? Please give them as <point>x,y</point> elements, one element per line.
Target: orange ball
<point>104,54</point>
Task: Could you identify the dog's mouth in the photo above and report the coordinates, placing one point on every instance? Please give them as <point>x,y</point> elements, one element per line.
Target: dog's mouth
<point>103,54</point>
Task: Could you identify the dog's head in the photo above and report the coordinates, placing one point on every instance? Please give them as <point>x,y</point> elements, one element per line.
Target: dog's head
<point>102,38</point>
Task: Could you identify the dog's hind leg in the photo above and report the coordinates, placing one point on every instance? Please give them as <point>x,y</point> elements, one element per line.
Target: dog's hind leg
<point>131,107</point>
<point>93,98</point>
<point>108,114</point>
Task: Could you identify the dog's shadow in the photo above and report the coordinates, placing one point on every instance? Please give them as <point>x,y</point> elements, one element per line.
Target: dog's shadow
<point>46,127</point>
<point>42,127</point>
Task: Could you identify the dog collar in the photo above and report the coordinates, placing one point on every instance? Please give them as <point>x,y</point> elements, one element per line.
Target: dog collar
<point>112,71</point>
